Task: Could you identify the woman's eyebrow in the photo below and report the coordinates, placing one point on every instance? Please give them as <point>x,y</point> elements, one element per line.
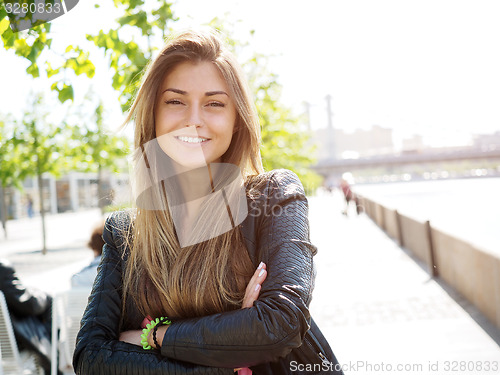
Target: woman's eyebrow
<point>212,93</point>
<point>177,91</point>
<point>182,92</point>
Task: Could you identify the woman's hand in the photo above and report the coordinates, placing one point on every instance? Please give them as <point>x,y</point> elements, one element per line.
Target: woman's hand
<point>251,294</point>
<point>253,288</point>
<point>132,337</point>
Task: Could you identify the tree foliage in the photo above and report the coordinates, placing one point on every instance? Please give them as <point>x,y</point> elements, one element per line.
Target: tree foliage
<point>31,45</point>
<point>98,146</point>
<point>285,142</point>
<point>100,149</point>
<point>12,172</point>
<point>128,58</point>
<point>13,169</point>
<point>34,145</point>
<point>147,23</point>
<point>43,148</point>
<point>37,145</point>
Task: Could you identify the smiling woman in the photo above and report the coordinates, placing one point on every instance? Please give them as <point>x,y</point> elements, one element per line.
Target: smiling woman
<point>196,112</point>
<point>215,263</point>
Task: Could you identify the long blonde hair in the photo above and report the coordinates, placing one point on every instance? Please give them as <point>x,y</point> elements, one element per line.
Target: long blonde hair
<point>162,278</point>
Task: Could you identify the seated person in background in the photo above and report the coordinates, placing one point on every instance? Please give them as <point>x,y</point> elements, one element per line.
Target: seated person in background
<point>86,277</point>
<point>30,312</point>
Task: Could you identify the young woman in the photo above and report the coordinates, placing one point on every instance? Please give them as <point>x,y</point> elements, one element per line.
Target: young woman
<point>217,254</point>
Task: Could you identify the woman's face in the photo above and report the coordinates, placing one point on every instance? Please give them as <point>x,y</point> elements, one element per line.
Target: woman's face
<point>195,115</point>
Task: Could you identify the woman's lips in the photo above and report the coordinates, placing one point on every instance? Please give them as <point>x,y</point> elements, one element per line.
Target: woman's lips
<point>192,141</point>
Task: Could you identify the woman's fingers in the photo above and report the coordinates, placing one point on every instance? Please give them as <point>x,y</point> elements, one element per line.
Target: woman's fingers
<point>254,286</point>
<point>258,277</point>
<point>147,320</point>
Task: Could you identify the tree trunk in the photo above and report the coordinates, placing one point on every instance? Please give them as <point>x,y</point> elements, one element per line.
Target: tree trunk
<point>42,213</point>
<point>3,210</point>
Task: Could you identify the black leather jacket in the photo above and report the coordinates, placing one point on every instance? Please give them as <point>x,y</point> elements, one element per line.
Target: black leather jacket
<point>267,337</point>
<point>22,302</point>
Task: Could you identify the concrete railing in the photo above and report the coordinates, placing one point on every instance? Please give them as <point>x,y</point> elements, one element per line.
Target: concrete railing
<point>470,270</point>
<point>474,272</point>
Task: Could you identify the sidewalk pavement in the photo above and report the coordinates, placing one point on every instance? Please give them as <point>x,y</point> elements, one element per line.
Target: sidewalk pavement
<point>381,311</point>
<point>378,308</point>
<point>67,237</point>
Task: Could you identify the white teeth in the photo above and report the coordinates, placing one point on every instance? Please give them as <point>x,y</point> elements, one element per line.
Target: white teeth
<point>192,140</point>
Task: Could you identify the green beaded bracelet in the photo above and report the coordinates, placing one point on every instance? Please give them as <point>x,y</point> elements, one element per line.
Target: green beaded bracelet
<point>149,327</point>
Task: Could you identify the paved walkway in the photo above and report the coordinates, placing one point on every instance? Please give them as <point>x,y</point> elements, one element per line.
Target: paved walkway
<point>377,306</point>
<point>67,237</point>
<point>382,312</point>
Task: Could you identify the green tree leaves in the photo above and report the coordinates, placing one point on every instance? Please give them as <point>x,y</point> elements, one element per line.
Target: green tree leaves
<point>13,168</point>
<point>78,61</point>
<point>128,56</point>
<point>99,148</point>
<point>42,141</point>
<point>285,142</point>
<point>65,92</point>
<point>31,45</point>
<point>41,148</point>
<point>39,144</point>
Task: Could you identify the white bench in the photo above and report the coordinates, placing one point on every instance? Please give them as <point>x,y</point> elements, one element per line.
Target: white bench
<point>67,312</point>
<point>12,361</point>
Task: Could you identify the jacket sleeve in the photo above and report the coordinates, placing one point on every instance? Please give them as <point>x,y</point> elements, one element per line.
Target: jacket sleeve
<point>98,350</point>
<point>279,319</point>
<point>20,300</point>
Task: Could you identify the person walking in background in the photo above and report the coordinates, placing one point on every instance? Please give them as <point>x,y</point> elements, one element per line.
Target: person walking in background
<point>31,314</point>
<point>85,278</point>
<point>347,193</point>
<point>215,262</point>
<point>29,206</point>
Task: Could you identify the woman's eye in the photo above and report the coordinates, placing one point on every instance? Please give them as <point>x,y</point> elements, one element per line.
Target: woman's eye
<point>216,104</point>
<point>173,101</point>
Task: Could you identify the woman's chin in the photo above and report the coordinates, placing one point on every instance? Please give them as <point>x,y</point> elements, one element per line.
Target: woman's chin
<point>189,163</point>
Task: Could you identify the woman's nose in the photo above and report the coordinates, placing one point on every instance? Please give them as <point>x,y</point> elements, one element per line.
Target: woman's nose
<point>194,117</point>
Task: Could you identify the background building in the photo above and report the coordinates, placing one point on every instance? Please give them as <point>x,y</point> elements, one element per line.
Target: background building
<point>361,143</point>
<point>71,192</point>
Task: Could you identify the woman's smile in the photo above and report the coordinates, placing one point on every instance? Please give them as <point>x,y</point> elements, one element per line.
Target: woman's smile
<point>192,140</point>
